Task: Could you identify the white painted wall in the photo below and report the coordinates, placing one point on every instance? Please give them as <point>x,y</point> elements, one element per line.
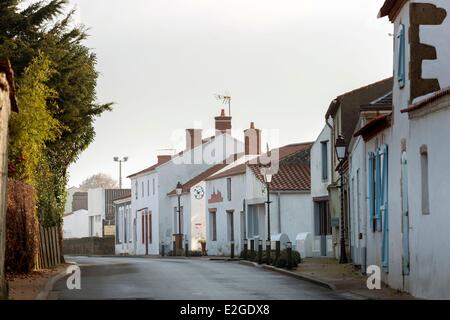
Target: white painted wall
<point>146,201</point>
<point>429,234</point>
<point>76,225</point>
<point>319,186</point>
<point>222,245</point>
<point>428,239</point>
<point>96,209</point>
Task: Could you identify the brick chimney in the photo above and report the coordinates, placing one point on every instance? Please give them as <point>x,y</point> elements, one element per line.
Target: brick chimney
<point>252,138</point>
<point>193,138</point>
<point>164,158</point>
<point>223,123</point>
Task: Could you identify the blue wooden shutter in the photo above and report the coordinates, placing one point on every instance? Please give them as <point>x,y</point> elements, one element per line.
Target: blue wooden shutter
<point>401,56</point>
<point>405,215</point>
<point>370,180</point>
<point>378,190</point>
<point>385,209</point>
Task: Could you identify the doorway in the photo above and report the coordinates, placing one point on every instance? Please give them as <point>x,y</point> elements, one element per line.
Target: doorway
<point>322,225</point>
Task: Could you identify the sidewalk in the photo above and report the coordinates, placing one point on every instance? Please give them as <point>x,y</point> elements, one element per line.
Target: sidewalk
<point>28,286</point>
<point>345,278</point>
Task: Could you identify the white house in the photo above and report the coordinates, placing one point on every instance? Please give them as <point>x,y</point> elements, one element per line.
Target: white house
<point>225,207</point>
<point>76,224</point>
<point>198,156</point>
<point>237,202</point>
<point>418,258</point>
<point>125,243</point>
<point>370,143</point>
<point>320,180</point>
<point>90,213</point>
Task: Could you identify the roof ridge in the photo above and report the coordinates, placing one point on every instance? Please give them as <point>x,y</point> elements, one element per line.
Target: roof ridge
<point>365,87</point>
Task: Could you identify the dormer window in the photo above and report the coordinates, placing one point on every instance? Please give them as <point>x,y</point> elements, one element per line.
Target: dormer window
<point>401,56</point>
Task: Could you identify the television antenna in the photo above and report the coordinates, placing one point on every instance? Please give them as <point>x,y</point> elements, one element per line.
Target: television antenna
<point>226,99</point>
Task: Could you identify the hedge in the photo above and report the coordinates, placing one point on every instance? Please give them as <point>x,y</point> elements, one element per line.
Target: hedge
<point>22,228</point>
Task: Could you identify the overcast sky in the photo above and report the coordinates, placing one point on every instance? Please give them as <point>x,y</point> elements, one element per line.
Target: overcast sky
<point>282,61</point>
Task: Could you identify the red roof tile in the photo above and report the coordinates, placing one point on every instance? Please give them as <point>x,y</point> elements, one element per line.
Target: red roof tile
<point>284,152</point>
<point>205,174</point>
<point>290,177</point>
<point>374,126</point>
<point>391,8</point>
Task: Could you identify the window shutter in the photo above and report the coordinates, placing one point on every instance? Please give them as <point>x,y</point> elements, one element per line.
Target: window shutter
<point>378,190</point>
<point>401,56</point>
<point>370,180</point>
<point>385,187</point>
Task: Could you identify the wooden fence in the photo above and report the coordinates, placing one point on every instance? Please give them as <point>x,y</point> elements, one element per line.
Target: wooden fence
<point>49,254</point>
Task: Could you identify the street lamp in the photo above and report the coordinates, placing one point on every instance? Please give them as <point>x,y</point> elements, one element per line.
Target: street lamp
<point>268,179</point>
<point>179,191</point>
<point>117,159</point>
<point>341,154</point>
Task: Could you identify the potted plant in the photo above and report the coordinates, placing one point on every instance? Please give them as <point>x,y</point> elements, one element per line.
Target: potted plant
<point>203,244</point>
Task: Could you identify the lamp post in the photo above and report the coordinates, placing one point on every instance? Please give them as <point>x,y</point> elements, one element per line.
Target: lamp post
<point>289,254</point>
<point>268,179</point>
<point>341,154</point>
<point>117,159</point>
<point>179,236</point>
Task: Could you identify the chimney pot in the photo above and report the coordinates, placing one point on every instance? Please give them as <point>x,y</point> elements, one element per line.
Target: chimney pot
<point>193,138</point>
<point>223,123</point>
<point>252,138</point>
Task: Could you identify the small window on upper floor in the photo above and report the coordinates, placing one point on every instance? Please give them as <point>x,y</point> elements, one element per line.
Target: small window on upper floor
<point>136,189</point>
<point>424,180</point>
<point>229,189</point>
<point>324,150</point>
<point>401,70</point>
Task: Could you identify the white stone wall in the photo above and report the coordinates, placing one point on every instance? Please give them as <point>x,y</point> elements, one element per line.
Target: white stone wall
<point>76,225</point>
<point>428,258</point>
<point>222,245</point>
<point>141,202</point>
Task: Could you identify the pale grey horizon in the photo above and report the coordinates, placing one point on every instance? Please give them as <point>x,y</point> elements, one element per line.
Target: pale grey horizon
<point>162,61</point>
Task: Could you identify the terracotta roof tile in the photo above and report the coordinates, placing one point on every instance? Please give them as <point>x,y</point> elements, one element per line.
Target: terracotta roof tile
<point>289,177</point>
<point>284,152</point>
<point>205,174</point>
<point>374,126</point>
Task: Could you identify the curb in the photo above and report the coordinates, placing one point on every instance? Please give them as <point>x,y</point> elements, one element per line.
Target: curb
<point>44,294</point>
<point>292,274</point>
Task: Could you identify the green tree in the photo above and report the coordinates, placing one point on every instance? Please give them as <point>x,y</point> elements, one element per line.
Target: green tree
<point>34,125</point>
<point>42,27</point>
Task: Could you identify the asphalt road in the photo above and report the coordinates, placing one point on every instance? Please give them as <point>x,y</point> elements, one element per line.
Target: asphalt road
<point>183,279</point>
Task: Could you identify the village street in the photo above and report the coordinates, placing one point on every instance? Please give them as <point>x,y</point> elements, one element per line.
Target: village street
<point>182,279</point>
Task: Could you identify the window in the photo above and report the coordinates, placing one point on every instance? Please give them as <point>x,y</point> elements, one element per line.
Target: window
<point>229,189</point>
<point>148,188</point>
<point>91,226</point>
<point>136,189</point>
<point>252,221</point>
<point>118,223</point>
<point>324,150</point>
<point>153,186</point>
<point>230,225</point>
<point>401,56</point>
<point>212,226</point>
<point>424,180</point>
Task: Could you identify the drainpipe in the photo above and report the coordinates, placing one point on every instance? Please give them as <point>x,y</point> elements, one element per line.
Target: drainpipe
<point>279,212</point>
<point>331,150</point>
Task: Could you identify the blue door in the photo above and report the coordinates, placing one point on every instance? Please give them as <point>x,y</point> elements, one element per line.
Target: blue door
<point>405,215</point>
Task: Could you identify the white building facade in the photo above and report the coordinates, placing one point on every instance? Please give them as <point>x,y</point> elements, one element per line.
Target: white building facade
<point>418,257</point>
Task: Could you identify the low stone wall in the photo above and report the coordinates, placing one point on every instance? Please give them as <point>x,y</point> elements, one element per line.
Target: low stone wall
<point>89,246</point>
